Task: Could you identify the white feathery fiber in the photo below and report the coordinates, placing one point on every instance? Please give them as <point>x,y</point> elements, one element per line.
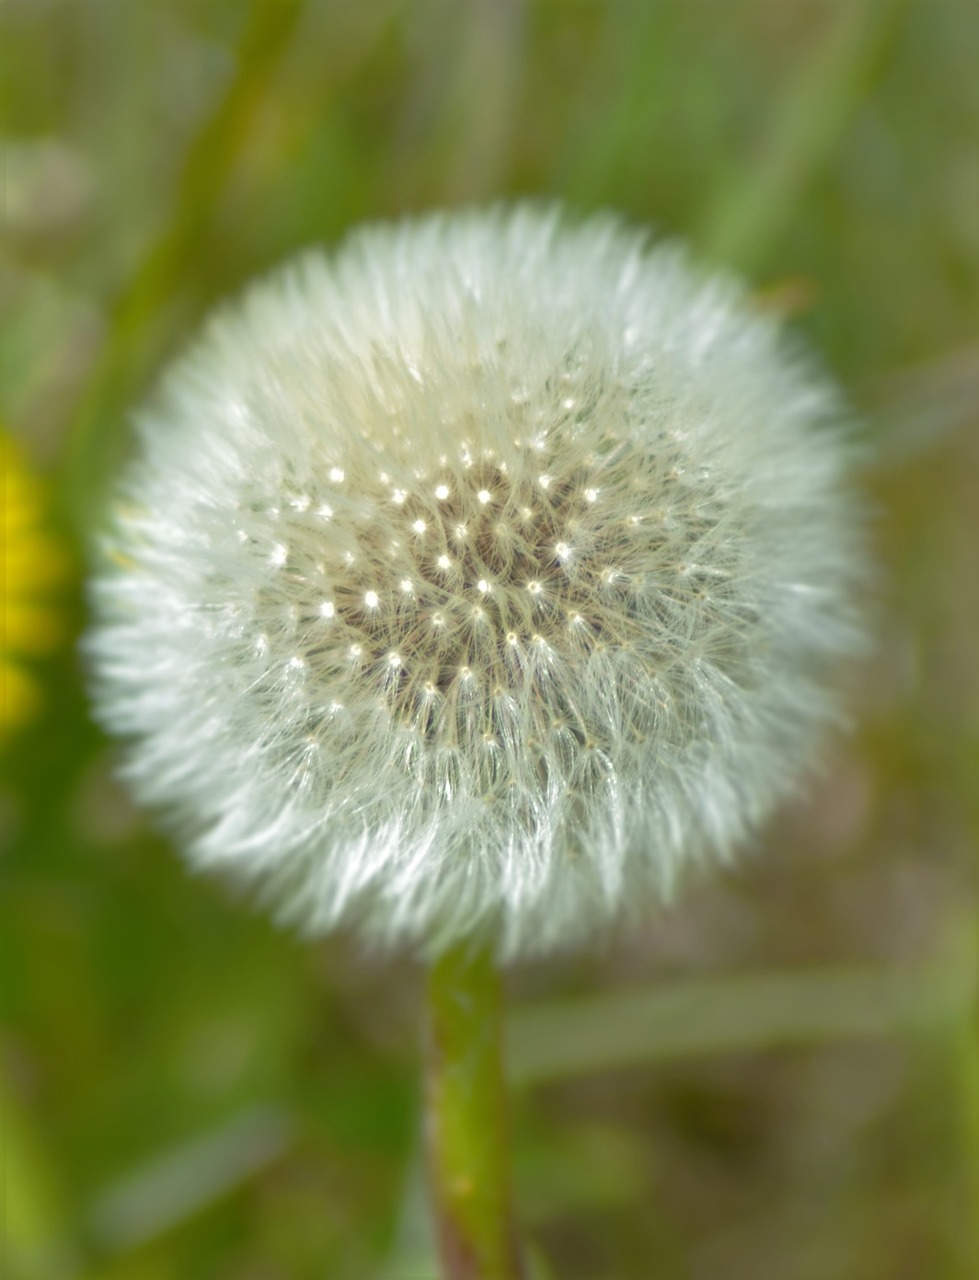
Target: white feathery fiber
<point>478,578</point>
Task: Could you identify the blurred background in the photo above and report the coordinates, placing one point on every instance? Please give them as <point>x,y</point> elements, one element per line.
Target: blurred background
<point>779,1079</point>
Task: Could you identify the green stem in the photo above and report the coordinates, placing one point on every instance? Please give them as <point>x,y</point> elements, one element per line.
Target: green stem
<point>465,1120</point>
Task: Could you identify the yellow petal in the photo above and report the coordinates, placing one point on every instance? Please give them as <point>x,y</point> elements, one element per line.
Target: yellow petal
<point>30,564</point>
<point>29,628</point>
<point>19,697</point>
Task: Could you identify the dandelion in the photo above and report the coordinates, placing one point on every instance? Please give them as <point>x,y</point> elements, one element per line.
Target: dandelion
<point>478,581</point>
<point>584,493</point>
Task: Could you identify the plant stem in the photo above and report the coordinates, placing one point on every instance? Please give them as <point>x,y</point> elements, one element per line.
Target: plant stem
<point>465,1120</point>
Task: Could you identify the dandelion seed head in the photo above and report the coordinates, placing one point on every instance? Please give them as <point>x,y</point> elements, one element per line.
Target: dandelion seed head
<point>579,525</point>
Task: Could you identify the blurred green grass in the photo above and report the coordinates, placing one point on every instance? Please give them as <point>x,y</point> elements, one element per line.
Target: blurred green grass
<point>186,1093</point>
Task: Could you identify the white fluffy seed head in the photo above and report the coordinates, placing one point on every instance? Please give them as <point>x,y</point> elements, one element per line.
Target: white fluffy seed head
<point>478,579</point>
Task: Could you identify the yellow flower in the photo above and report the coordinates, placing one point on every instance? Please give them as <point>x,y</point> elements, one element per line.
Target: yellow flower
<point>32,562</point>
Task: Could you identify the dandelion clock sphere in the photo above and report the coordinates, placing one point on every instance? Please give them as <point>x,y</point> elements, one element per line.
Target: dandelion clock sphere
<point>476,579</point>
